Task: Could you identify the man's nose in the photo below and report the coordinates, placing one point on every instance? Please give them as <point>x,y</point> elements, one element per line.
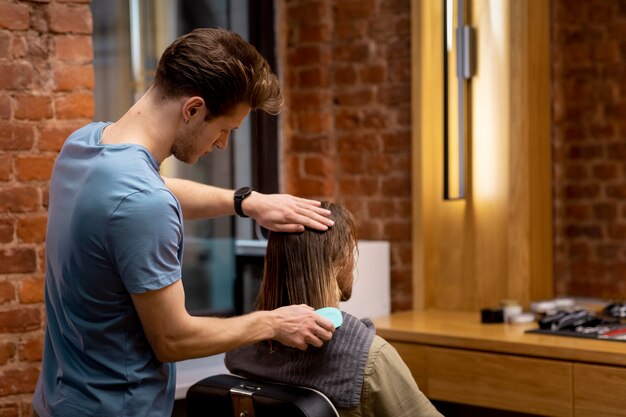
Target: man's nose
<point>222,141</point>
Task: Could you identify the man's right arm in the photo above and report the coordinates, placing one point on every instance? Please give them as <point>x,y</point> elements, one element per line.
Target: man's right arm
<point>175,335</point>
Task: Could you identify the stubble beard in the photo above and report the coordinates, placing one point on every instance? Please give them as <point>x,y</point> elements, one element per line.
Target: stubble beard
<point>184,149</point>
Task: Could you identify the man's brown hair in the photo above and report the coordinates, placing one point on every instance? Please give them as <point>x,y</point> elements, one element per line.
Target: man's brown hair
<point>311,267</point>
<point>222,68</point>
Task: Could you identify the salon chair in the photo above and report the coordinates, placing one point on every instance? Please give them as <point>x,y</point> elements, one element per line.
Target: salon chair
<point>228,395</point>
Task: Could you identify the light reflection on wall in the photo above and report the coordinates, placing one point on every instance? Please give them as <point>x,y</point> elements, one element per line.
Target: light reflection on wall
<point>490,134</point>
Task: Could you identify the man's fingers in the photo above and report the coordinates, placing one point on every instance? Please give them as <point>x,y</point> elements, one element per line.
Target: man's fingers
<point>310,202</point>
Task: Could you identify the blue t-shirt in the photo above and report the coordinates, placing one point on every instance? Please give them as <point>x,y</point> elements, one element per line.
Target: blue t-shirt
<point>114,229</point>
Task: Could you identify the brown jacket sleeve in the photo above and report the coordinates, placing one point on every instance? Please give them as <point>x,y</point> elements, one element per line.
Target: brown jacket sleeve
<point>389,389</point>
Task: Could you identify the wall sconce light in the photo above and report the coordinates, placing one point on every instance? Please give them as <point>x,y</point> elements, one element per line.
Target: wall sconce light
<point>458,67</point>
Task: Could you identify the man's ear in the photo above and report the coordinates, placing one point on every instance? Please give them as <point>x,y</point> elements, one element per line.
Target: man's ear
<point>192,107</point>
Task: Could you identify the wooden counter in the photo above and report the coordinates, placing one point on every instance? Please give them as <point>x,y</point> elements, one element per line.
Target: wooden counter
<point>455,358</point>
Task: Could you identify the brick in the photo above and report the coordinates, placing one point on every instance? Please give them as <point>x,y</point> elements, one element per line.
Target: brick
<point>18,380</point>
<point>313,33</point>
<point>373,74</point>
<point>7,292</point>
<point>5,107</point>
<point>7,352</point>
<point>350,186</point>
<point>14,16</point>
<point>31,290</point>
<point>575,172</point>
<point>75,49</point>
<point>314,122</point>
<point>376,119</point>
<point>74,77</point>
<point>20,47</point>
<point>70,19</point>
<point>357,142</point>
<point>380,209</point>
<point>7,228</point>
<point>357,97</point>
<point>31,349</point>
<point>580,250</point>
<point>352,52</point>
<point>15,75</point>
<point>306,12</point>
<point>32,229</point>
<point>45,196</point>
<point>53,135</point>
<point>16,261</point>
<point>312,188</point>
<point>355,9</point>
<point>32,107</point>
<point>19,199</point>
<point>345,75</point>
<point>350,30</point>
<point>582,191</point>
<point>348,120</point>
<point>580,211</point>
<point>6,167</point>
<point>393,95</point>
<point>20,320</point>
<point>16,136</point>
<point>397,141</point>
<point>605,211</point>
<point>309,143</point>
<point>318,166</point>
<point>313,78</point>
<point>396,186</point>
<point>586,231</point>
<point>38,167</point>
<point>309,55</point>
<point>616,191</point>
<point>369,230</point>
<point>75,106</point>
<point>307,100</point>
<point>5,41</point>
<point>352,163</point>
<point>9,409</point>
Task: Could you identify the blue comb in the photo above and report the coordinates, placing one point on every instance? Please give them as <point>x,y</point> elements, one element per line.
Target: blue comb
<point>333,314</point>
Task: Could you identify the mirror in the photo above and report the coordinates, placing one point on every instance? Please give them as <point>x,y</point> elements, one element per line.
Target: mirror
<point>458,68</point>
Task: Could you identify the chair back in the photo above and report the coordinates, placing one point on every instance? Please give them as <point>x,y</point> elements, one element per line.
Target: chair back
<point>228,395</point>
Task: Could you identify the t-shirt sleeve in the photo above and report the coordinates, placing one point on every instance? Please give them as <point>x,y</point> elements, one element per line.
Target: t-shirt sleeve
<point>144,240</point>
<point>389,388</point>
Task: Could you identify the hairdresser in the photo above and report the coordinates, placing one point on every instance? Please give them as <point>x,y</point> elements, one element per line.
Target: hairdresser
<point>115,305</point>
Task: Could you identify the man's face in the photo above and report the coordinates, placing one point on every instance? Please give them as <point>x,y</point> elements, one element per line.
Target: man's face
<point>199,137</point>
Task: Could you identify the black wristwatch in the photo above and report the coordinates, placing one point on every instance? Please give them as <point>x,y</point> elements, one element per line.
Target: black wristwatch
<point>240,195</point>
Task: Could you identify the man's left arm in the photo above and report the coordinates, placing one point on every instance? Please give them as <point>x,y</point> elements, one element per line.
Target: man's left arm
<point>277,212</point>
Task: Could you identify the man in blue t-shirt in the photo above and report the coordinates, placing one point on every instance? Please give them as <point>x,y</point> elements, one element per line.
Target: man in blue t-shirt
<point>114,300</point>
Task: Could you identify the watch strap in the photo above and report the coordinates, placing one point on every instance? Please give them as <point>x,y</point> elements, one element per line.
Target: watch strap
<point>240,195</point>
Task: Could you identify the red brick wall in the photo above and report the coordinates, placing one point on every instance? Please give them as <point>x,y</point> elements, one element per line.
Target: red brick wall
<point>589,137</point>
<point>347,133</point>
<point>46,83</point>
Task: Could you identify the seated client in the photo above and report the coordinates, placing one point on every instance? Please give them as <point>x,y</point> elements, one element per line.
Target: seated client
<point>360,372</point>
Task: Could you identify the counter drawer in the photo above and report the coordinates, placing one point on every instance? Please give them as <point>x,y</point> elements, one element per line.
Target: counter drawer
<point>599,390</point>
<point>529,385</point>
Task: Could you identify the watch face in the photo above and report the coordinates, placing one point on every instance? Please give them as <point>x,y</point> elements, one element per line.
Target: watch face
<point>243,191</point>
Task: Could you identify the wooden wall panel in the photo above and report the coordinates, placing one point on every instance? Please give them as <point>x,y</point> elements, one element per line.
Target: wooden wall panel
<point>497,243</point>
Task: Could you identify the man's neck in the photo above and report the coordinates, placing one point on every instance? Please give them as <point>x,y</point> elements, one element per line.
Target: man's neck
<point>147,124</point>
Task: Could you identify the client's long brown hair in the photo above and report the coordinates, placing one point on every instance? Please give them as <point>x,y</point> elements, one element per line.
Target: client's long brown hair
<point>310,267</point>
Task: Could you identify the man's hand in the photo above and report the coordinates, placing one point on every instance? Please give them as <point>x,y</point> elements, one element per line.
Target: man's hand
<point>299,326</point>
<point>286,213</point>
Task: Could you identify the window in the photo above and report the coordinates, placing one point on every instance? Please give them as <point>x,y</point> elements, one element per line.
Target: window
<point>128,38</point>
